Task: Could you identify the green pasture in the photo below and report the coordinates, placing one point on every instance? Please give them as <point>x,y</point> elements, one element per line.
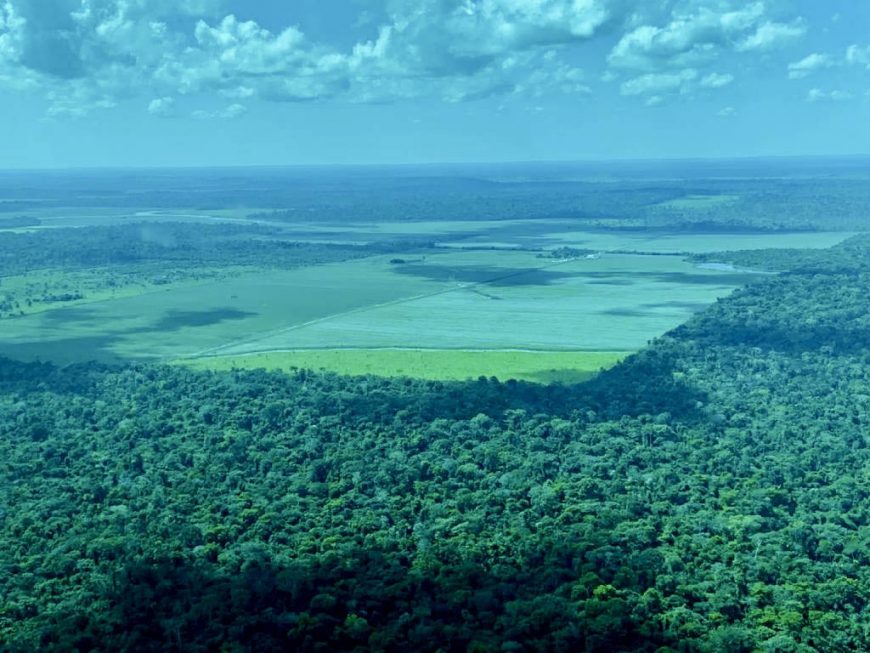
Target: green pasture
<point>448,300</point>
<point>33,291</point>
<point>692,243</point>
<point>442,365</point>
<point>500,300</point>
<point>184,319</point>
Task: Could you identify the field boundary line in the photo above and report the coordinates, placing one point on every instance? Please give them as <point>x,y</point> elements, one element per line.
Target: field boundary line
<point>214,351</point>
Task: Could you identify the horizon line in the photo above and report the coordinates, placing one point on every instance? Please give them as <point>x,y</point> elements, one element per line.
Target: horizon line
<point>422,164</point>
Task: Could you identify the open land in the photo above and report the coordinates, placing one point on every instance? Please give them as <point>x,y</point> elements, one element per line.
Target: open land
<point>376,315</point>
<point>419,276</point>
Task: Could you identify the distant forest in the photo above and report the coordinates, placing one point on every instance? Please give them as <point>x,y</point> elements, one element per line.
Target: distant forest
<point>710,493</point>
<point>751,196</point>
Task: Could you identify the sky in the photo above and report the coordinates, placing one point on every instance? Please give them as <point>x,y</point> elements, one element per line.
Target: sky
<point>106,83</point>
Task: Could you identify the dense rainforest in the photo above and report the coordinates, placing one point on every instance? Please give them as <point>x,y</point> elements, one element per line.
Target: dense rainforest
<point>710,493</point>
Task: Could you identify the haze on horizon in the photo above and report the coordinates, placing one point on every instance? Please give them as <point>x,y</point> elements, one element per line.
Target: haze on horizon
<point>109,83</point>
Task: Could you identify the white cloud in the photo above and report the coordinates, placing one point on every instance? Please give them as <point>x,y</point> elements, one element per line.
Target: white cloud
<point>76,102</point>
<point>770,35</point>
<point>818,95</point>
<point>553,75</point>
<point>227,113</point>
<point>858,55</point>
<point>11,28</point>
<point>96,52</point>
<point>688,39</point>
<point>658,83</point>
<point>462,36</point>
<point>693,36</point>
<point>716,80</point>
<point>726,112</point>
<point>12,31</point>
<point>657,86</point>
<point>809,64</point>
<point>163,107</point>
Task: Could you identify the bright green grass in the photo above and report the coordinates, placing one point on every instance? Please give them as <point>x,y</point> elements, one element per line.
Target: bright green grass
<point>442,365</point>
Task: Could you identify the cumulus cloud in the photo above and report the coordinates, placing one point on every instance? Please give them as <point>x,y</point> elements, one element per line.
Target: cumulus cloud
<point>163,107</point>
<point>693,36</point>
<point>818,95</point>
<point>75,102</point>
<point>96,52</point>
<point>689,38</point>
<point>240,58</point>
<point>71,39</point>
<point>858,55</point>
<point>231,112</point>
<point>770,35</point>
<point>809,64</point>
<point>446,37</point>
<point>553,74</point>
<point>716,80</point>
<point>11,32</point>
<point>658,83</point>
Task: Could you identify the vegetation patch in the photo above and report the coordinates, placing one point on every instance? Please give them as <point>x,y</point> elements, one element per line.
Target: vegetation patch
<point>699,201</point>
<point>437,364</point>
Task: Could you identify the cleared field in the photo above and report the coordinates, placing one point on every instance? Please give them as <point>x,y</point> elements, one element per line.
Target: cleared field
<point>451,300</point>
<point>442,365</point>
<point>694,243</point>
<point>499,234</point>
<point>500,300</point>
<point>49,290</point>
<point>373,315</point>
<point>99,216</point>
<point>183,320</point>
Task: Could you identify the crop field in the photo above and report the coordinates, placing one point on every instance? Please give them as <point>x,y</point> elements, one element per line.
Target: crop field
<point>497,234</point>
<point>418,317</point>
<point>513,300</point>
<point>181,320</point>
<point>694,243</point>
<point>52,289</point>
<point>442,365</point>
<point>460,279</point>
<point>457,311</point>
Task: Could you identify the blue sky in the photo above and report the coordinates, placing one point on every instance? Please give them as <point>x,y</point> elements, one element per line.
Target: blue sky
<point>233,82</point>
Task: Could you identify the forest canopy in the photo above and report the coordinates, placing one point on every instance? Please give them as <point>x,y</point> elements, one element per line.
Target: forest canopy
<point>707,494</point>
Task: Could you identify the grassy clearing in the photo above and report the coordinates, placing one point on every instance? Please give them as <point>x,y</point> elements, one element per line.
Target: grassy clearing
<point>46,290</point>
<point>442,365</point>
<point>455,300</point>
<point>695,244</point>
<point>189,318</point>
<point>615,303</point>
